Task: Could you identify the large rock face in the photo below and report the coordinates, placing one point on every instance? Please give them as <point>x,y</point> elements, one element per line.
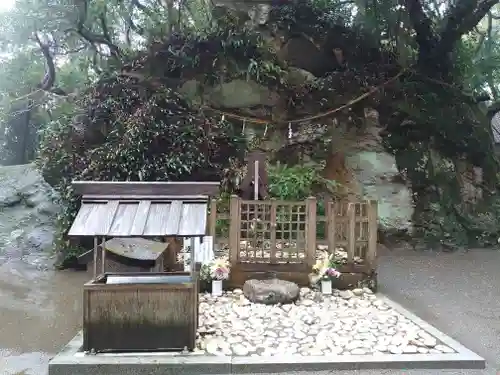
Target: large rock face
<point>234,94</point>
<point>363,165</point>
<point>27,211</point>
<point>379,179</point>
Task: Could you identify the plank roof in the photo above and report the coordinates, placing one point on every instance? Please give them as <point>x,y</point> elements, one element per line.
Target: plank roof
<point>136,210</point>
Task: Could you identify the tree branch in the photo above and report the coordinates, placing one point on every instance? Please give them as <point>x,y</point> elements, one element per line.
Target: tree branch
<point>435,48</point>
<point>461,18</point>
<point>131,24</point>
<point>104,26</point>
<point>480,42</point>
<point>488,44</point>
<point>168,5</point>
<point>90,36</point>
<point>420,22</point>
<point>137,4</point>
<point>50,75</point>
<point>47,83</point>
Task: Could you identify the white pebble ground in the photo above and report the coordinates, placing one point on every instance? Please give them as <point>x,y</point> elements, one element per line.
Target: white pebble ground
<point>345,323</point>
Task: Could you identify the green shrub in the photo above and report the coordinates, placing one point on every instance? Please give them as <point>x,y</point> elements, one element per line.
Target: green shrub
<point>296,183</point>
<point>133,133</point>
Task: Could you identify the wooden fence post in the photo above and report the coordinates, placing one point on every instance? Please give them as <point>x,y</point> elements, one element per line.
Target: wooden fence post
<point>310,231</point>
<point>328,206</point>
<point>351,232</point>
<point>274,207</point>
<point>372,233</point>
<point>331,227</point>
<point>234,229</point>
<point>212,218</point>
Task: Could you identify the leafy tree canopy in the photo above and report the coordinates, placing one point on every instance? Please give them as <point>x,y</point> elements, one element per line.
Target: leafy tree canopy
<point>70,91</point>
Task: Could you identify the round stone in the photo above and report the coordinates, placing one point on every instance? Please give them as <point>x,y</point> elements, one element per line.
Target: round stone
<point>357,292</point>
<point>358,351</point>
<point>430,342</point>
<point>444,349</point>
<point>410,349</point>
<point>234,339</point>
<point>299,335</point>
<point>240,350</point>
<point>381,348</point>
<point>316,352</point>
<point>334,350</point>
<point>395,349</point>
<point>212,347</point>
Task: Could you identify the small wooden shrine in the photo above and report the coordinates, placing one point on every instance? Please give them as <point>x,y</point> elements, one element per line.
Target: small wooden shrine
<point>140,311</point>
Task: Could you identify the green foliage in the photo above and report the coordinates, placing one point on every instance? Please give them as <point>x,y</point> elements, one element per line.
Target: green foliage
<point>294,183</point>
<point>266,72</point>
<point>227,52</point>
<point>451,225</point>
<point>478,57</point>
<point>134,134</point>
<point>299,182</point>
<point>483,223</point>
<point>131,130</point>
<point>222,225</point>
<point>17,125</point>
<point>428,156</point>
<point>312,18</point>
<point>24,110</point>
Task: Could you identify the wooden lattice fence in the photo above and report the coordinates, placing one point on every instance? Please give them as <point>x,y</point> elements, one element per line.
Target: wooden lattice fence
<point>280,237</point>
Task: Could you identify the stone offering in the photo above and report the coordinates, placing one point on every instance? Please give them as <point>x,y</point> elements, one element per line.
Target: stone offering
<point>271,292</point>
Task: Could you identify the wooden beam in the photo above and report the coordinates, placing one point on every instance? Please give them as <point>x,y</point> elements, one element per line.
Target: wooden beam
<point>138,198</point>
<point>145,188</point>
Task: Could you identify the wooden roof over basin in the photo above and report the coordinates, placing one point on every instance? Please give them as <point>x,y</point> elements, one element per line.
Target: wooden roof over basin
<point>142,209</point>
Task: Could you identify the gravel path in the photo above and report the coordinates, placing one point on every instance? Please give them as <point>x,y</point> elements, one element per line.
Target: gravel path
<point>347,322</point>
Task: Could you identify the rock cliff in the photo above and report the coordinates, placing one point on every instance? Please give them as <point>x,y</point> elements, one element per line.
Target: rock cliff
<point>27,212</point>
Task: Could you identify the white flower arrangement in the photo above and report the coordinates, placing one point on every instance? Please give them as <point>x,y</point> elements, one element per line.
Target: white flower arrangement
<point>217,269</point>
<point>326,267</point>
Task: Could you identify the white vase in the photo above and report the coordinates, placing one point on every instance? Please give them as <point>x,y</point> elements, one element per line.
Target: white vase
<point>326,286</point>
<point>216,288</point>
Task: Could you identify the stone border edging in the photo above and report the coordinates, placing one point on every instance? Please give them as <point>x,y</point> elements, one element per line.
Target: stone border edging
<point>70,361</point>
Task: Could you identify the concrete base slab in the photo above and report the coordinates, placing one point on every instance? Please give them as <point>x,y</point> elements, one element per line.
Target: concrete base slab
<point>72,361</point>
